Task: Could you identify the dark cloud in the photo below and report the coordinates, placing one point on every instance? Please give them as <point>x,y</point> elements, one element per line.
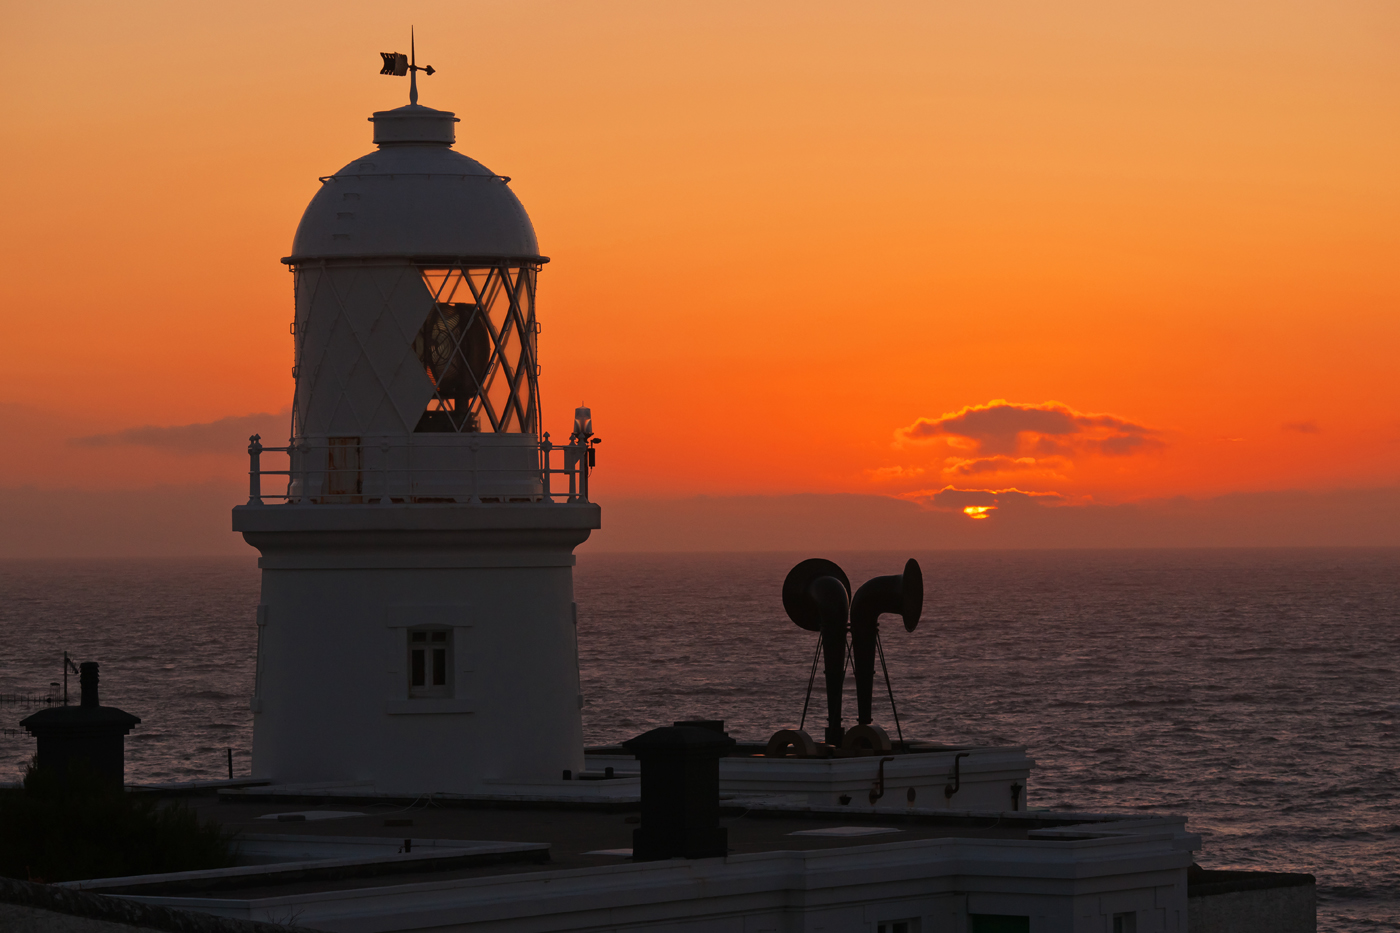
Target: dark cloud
<point>227,435</point>
<point>1016,430</point>
<point>1017,497</point>
<point>952,499</point>
<point>887,473</point>
<point>1303,427</point>
<point>191,520</point>
<point>957,499</point>
<point>998,464</point>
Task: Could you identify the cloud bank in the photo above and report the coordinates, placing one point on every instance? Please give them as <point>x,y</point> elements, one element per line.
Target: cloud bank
<point>811,524</point>
<point>224,436</point>
<point>1017,430</point>
<point>1040,442</point>
<point>194,520</point>
<point>952,499</point>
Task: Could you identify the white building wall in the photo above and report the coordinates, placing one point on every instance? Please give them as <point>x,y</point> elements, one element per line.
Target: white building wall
<point>341,587</point>
<point>1062,887</point>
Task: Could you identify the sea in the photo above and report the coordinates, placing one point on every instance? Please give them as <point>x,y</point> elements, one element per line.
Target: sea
<point>1254,691</point>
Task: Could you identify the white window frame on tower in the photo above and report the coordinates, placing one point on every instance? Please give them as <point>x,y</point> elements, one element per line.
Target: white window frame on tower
<point>430,662</point>
<point>455,624</point>
<point>907,925</point>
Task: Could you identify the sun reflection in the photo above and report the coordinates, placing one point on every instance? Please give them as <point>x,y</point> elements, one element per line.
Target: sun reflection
<point>978,511</point>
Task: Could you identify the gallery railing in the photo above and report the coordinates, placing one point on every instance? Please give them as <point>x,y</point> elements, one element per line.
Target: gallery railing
<point>355,470</point>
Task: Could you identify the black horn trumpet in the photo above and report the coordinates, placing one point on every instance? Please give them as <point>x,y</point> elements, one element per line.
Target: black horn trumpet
<point>901,594</point>
<point>816,595</point>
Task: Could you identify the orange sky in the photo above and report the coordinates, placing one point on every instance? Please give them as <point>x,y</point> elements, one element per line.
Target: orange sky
<point>780,232</point>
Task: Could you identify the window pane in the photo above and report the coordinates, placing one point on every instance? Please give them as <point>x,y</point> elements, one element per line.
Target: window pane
<point>418,636</point>
<point>418,667</point>
<point>999,923</point>
<point>439,636</point>
<point>439,667</point>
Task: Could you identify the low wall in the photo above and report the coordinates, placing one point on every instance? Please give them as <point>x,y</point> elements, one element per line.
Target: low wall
<point>26,906</point>
<point>1250,901</point>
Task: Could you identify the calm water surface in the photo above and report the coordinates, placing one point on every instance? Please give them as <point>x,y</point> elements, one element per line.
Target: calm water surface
<point>1255,691</point>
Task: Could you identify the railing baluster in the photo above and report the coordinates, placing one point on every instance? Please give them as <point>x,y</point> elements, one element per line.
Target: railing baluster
<point>255,450</point>
<point>476,464</point>
<point>384,449</point>
<point>583,472</point>
<point>545,447</point>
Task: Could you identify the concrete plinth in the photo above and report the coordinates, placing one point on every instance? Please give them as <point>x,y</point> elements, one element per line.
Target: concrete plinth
<point>985,778</point>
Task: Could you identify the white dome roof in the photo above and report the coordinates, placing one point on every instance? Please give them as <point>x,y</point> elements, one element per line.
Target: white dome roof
<point>414,198</point>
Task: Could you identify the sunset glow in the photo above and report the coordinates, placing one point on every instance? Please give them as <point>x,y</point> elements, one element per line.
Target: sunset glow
<point>978,511</point>
<point>1090,253</point>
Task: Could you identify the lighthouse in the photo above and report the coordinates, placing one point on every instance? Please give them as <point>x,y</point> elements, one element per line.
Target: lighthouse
<point>416,627</point>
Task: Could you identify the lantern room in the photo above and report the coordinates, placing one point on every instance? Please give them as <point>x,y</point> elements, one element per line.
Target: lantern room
<point>415,332</point>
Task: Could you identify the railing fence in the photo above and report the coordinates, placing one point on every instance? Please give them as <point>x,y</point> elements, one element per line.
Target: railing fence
<point>384,471</point>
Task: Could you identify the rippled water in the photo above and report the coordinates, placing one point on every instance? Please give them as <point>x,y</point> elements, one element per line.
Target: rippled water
<point>1255,691</point>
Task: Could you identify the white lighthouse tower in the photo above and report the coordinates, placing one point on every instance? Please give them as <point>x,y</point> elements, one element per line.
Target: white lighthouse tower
<point>416,626</point>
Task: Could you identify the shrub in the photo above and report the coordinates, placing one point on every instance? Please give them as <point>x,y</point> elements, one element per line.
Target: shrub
<point>66,830</point>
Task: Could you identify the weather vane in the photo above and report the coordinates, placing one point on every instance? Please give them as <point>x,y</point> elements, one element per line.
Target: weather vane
<point>397,63</point>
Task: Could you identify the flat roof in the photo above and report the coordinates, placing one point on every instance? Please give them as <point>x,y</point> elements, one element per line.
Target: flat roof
<point>575,837</point>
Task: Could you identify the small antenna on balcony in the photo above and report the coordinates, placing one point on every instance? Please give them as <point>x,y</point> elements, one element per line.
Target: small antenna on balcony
<point>397,63</point>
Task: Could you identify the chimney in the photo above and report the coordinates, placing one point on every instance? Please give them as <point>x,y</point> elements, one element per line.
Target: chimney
<point>680,793</point>
<point>87,676</point>
<point>90,736</point>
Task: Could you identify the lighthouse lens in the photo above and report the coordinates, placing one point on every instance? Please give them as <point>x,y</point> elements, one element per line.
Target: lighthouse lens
<point>455,349</point>
<point>477,348</point>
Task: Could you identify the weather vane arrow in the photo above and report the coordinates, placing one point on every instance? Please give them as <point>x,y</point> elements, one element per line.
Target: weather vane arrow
<point>397,63</point>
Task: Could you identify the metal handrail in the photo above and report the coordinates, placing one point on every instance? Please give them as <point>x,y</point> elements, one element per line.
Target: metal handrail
<point>357,175</point>
<point>579,457</point>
